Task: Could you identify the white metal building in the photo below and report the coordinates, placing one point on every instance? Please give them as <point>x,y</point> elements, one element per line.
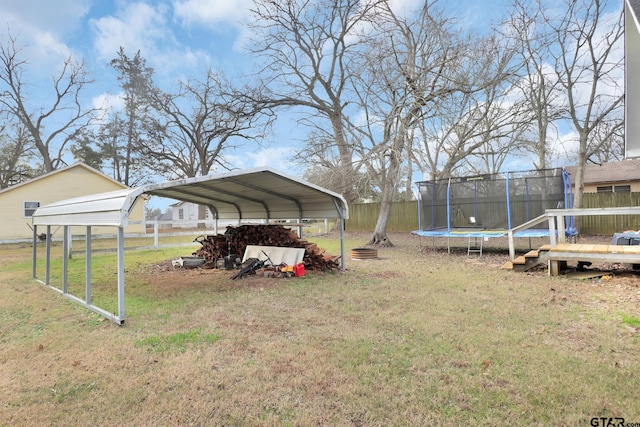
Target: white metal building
<point>254,194</point>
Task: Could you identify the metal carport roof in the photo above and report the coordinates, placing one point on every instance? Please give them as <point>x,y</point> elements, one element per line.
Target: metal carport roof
<point>259,193</point>
<point>101,209</point>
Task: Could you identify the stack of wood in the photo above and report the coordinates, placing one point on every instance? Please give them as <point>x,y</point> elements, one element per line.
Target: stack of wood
<point>236,239</point>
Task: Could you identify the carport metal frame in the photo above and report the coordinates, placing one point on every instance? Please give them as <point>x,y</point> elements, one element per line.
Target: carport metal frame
<point>113,209</point>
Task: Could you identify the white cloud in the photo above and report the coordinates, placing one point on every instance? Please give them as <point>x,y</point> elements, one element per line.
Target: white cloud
<point>60,16</point>
<point>108,102</point>
<point>139,26</point>
<point>136,27</point>
<point>269,156</point>
<point>212,12</point>
<point>405,8</point>
<point>39,29</point>
<point>566,149</point>
<point>277,157</point>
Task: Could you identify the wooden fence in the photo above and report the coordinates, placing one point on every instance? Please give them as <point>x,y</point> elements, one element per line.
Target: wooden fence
<point>404,215</point>
<point>363,217</point>
<point>603,225</point>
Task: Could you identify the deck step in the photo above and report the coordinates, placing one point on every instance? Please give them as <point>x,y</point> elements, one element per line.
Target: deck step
<point>507,266</point>
<point>529,260</point>
<point>521,260</point>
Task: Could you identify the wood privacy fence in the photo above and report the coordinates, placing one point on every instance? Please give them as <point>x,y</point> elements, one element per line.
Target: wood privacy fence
<point>404,215</point>
<point>363,217</point>
<point>609,224</point>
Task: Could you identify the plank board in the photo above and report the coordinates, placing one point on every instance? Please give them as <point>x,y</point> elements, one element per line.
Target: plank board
<point>634,250</point>
<point>598,253</point>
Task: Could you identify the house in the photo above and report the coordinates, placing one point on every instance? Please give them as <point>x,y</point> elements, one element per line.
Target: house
<point>20,201</point>
<point>631,81</point>
<point>165,220</point>
<point>617,177</point>
<point>189,215</point>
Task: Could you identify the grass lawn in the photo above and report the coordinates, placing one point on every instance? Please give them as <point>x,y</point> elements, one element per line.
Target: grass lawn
<point>415,337</point>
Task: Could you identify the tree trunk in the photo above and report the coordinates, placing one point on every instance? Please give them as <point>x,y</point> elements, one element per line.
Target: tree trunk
<point>379,237</point>
<point>347,171</point>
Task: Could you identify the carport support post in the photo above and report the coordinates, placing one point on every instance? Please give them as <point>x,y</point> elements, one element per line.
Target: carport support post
<point>47,270</point>
<point>342,243</point>
<point>34,252</point>
<point>67,235</point>
<point>87,267</point>
<point>120,274</point>
<point>65,259</point>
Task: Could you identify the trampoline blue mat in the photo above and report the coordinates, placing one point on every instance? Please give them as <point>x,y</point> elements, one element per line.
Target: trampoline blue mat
<point>461,232</point>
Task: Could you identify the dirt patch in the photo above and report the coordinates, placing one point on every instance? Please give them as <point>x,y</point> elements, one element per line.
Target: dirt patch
<point>169,279</point>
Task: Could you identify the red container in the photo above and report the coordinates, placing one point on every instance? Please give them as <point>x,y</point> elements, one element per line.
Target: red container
<point>298,270</point>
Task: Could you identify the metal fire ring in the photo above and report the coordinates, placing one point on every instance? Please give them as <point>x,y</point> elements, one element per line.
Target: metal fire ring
<point>364,253</point>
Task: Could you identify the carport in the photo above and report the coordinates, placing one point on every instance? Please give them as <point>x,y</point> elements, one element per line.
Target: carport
<point>255,194</point>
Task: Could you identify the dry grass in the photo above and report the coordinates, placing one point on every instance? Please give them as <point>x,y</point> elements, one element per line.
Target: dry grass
<point>415,337</point>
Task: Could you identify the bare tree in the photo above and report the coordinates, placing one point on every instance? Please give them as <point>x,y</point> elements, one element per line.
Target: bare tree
<point>539,86</point>
<point>479,120</point>
<point>201,122</point>
<point>610,143</point>
<point>49,127</point>
<point>323,168</point>
<point>373,74</point>
<point>16,153</point>
<point>500,144</point>
<point>407,66</point>
<point>587,52</point>
<point>306,46</point>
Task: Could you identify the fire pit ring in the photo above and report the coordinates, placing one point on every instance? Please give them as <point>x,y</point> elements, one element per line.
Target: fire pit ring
<point>364,253</point>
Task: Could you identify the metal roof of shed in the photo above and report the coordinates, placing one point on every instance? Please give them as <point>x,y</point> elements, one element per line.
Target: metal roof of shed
<point>259,193</point>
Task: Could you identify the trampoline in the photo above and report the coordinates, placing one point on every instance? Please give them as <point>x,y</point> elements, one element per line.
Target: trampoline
<point>489,206</point>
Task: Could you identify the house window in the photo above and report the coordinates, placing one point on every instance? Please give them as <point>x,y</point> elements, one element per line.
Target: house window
<point>180,213</point>
<point>614,189</point>
<point>604,189</point>
<point>206,213</point>
<point>30,208</point>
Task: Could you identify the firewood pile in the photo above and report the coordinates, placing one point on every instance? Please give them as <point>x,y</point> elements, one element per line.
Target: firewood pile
<point>236,239</point>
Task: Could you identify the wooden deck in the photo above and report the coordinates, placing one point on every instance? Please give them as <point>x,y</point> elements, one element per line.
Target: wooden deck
<point>564,252</point>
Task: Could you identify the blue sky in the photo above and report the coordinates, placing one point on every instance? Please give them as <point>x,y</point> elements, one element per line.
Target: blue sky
<point>178,38</point>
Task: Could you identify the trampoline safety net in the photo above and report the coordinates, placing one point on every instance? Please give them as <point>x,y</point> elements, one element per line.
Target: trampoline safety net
<point>492,201</point>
